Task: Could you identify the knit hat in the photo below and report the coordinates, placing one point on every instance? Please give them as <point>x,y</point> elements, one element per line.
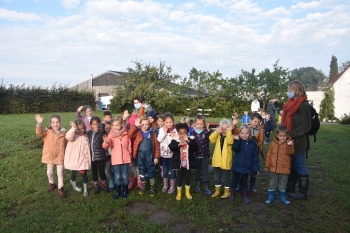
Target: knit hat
<point>132,119</point>
<point>152,114</point>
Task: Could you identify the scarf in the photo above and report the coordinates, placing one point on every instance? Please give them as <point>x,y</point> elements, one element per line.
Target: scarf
<point>289,109</point>
<point>116,133</point>
<point>171,129</point>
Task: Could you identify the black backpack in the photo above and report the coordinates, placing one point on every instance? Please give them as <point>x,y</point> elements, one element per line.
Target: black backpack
<point>315,126</point>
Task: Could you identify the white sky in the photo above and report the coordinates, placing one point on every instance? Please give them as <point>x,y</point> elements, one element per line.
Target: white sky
<point>43,42</point>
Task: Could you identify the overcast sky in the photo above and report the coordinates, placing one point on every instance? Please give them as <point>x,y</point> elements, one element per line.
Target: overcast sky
<point>43,42</point>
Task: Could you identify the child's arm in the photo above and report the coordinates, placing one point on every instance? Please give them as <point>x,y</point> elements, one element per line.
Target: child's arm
<point>256,160</point>
<point>236,146</point>
<point>162,135</point>
<point>192,143</point>
<point>132,132</point>
<point>290,147</point>
<point>106,142</point>
<point>214,135</point>
<point>39,128</point>
<point>229,137</point>
<point>130,148</point>
<point>78,112</point>
<point>174,145</point>
<point>268,158</point>
<point>70,135</point>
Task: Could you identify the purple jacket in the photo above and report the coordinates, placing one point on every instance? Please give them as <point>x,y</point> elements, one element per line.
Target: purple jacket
<point>85,119</point>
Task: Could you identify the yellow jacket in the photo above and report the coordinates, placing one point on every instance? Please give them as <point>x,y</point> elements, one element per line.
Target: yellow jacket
<point>222,159</point>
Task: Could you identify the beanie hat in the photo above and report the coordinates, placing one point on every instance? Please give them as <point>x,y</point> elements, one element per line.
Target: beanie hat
<point>152,114</point>
<point>132,119</point>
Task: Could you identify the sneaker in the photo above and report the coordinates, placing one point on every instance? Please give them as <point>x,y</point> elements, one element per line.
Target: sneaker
<point>51,187</point>
<point>207,192</point>
<point>61,192</point>
<point>96,189</point>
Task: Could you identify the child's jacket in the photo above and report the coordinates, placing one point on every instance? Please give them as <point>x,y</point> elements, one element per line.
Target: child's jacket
<point>54,145</point>
<point>164,138</point>
<point>279,157</point>
<point>96,139</point>
<point>121,148</point>
<point>77,156</point>
<point>245,119</point>
<point>246,159</point>
<point>190,150</point>
<point>135,133</point>
<point>202,139</point>
<point>222,159</point>
<point>85,119</point>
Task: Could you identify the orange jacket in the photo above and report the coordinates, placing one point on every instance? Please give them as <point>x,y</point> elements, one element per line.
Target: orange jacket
<point>135,133</point>
<point>279,157</point>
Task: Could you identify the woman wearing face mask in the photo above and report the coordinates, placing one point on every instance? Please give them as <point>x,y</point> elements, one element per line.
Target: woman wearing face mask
<point>141,108</point>
<point>296,117</point>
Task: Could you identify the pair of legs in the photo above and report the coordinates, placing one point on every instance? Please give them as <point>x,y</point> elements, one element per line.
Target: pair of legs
<point>51,179</point>
<point>98,167</point>
<point>299,173</point>
<point>121,171</point>
<point>109,173</point>
<point>243,180</point>
<point>279,180</point>
<point>166,169</point>
<point>221,177</point>
<point>202,170</point>
<point>183,174</point>
<point>73,178</point>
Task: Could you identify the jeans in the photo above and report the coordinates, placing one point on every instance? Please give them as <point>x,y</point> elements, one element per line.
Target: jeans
<point>298,164</point>
<point>121,170</point>
<point>167,167</point>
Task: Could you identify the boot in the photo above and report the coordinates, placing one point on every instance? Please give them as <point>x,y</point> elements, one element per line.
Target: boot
<point>252,186</point>
<point>217,191</point>
<point>303,183</point>
<point>239,188</point>
<point>187,192</point>
<point>111,183</point>
<point>267,141</point>
<point>153,191</point>
<point>104,186</point>
<point>232,195</point>
<point>74,185</point>
<point>244,196</point>
<point>143,187</point>
<point>139,183</point>
<point>271,198</point>
<point>226,193</point>
<point>207,190</point>
<point>96,188</point>
<point>85,193</point>
<point>292,181</point>
<point>131,182</point>
<point>179,192</point>
<point>61,192</point>
<point>51,187</point>
<point>161,170</point>
<point>198,188</point>
<point>165,185</point>
<point>172,186</point>
<point>117,192</point>
<point>125,191</point>
<point>283,198</point>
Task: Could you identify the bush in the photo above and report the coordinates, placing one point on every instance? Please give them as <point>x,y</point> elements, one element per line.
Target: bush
<point>345,119</point>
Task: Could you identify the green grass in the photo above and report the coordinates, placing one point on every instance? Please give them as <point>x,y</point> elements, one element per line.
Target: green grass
<point>26,206</point>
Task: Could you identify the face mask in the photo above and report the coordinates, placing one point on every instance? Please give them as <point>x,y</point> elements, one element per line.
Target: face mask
<point>198,131</point>
<point>290,94</point>
<point>137,106</point>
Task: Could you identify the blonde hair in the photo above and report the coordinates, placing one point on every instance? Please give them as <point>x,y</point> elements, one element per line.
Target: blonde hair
<point>118,119</point>
<point>245,127</point>
<point>225,122</point>
<point>144,119</point>
<point>298,88</point>
<point>185,119</point>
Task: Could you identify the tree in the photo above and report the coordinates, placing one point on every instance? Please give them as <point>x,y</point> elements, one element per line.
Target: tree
<point>334,68</point>
<point>344,66</point>
<point>310,77</point>
<point>327,104</point>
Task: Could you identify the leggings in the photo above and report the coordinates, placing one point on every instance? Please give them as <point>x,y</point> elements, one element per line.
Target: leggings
<point>243,178</point>
<point>73,176</point>
<point>59,174</point>
<point>100,166</point>
<point>182,174</point>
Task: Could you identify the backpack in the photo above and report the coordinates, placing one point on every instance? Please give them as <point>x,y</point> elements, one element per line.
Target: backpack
<point>315,126</point>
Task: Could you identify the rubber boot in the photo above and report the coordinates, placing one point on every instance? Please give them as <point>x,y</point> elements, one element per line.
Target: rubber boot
<point>207,190</point>
<point>271,198</point>
<point>104,186</point>
<point>165,185</point>
<point>292,181</point>
<point>303,183</point>
<point>153,191</point>
<point>143,189</point>
<point>217,191</point>
<point>283,198</point>
<point>198,188</point>
<point>172,186</point>
<point>96,188</point>
<point>179,193</point>
<point>74,185</point>
<point>187,192</point>
<point>232,195</point>
<point>252,186</point>
<point>139,183</point>
<point>226,193</point>
<point>85,193</point>
<point>244,196</point>
<point>125,190</point>
<point>131,182</point>
<point>117,192</point>
<point>111,183</point>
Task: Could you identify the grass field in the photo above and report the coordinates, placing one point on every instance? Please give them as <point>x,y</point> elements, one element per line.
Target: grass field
<point>26,206</point>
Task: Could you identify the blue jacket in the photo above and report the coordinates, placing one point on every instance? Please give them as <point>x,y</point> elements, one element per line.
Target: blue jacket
<point>245,119</point>
<point>246,159</point>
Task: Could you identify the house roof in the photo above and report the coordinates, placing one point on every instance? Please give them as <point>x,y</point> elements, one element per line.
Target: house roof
<point>335,78</point>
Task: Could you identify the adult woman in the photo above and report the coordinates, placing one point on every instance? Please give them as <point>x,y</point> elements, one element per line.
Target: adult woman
<point>296,117</point>
<point>141,107</point>
<point>271,109</point>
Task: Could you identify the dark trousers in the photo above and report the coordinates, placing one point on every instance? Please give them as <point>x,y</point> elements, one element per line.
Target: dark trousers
<point>73,176</point>
<point>183,173</point>
<point>239,177</point>
<point>98,166</point>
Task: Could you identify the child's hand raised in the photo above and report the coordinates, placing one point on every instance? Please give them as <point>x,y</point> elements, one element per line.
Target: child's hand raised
<point>235,121</point>
<point>125,114</point>
<point>207,126</point>
<point>105,139</point>
<point>80,108</point>
<point>72,124</point>
<point>137,122</point>
<point>165,129</point>
<point>236,137</point>
<point>290,143</point>
<point>218,129</point>
<point>229,127</point>
<point>39,119</point>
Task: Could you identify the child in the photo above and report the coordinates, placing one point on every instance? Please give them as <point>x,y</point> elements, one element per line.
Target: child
<point>107,116</point>
<point>234,116</point>
<point>201,135</point>
<point>278,163</point>
<point>88,114</point>
<point>166,134</point>
<point>119,141</point>
<point>245,161</point>
<point>109,174</point>
<point>77,155</point>
<point>160,124</point>
<point>183,158</point>
<point>152,117</point>
<point>268,128</point>
<point>263,116</point>
<point>186,120</point>
<point>98,154</point>
<point>133,171</point>
<point>280,117</point>
<point>146,151</point>
<point>53,151</point>
<point>222,157</point>
<point>245,118</point>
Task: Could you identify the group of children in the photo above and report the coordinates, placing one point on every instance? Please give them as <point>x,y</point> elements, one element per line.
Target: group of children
<point>124,146</point>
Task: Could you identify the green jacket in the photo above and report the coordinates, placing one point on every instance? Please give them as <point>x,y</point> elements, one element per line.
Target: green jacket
<point>301,124</point>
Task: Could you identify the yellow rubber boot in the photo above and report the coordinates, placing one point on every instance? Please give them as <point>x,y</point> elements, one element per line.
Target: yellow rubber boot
<point>187,192</point>
<point>226,193</point>
<point>178,196</point>
<point>217,191</point>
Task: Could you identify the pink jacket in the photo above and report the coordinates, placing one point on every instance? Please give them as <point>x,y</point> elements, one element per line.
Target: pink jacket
<point>85,119</point>
<point>121,149</point>
<point>77,156</point>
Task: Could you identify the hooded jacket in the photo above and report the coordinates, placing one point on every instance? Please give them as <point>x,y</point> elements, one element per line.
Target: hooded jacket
<point>246,159</point>
<point>176,159</point>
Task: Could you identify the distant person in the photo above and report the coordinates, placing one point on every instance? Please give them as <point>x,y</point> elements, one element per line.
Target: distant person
<point>186,119</point>
<point>87,117</point>
<point>141,108</point>
<point>107,116</point>
<point>268,128</point>
<point>152,117</point>
<point>255,105</point>
<point>55,142</point>
<point>245,118</point>
<point>234,116</point>
<point>272,110</point>
<point>278,163</point>
<point>77,156</point>
<point>280,117</point>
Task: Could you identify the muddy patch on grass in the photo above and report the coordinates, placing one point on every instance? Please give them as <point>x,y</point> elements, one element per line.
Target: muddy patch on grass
<point>256,206</point>
<point>141,208</point>
<point>162,216</point>
<point>244,227</point>
<point>181,227</point>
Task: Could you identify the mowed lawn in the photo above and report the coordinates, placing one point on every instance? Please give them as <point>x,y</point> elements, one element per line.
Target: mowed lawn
<point>26,206</point>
